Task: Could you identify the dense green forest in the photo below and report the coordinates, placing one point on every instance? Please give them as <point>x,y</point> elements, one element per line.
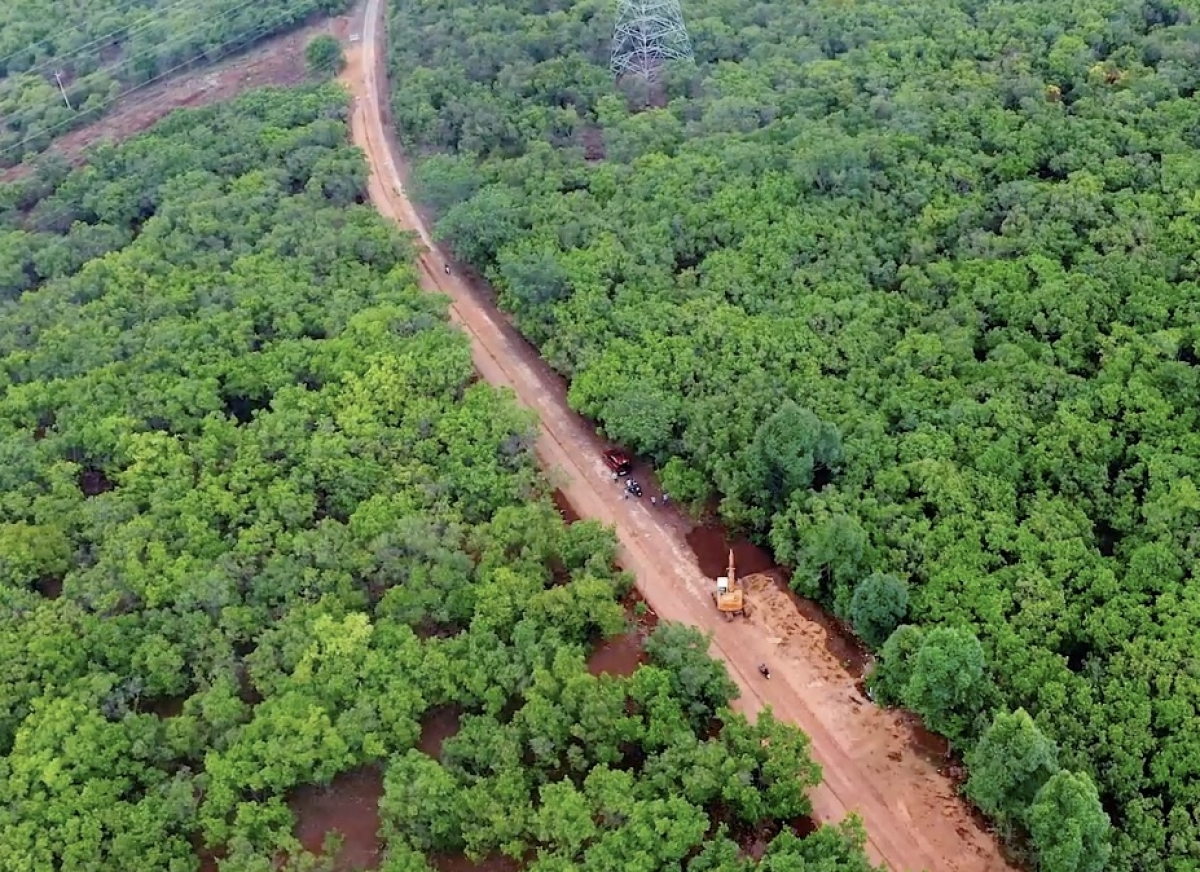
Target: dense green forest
<point>912,288</point>
<point>104,48</point>
<point>258,520</point>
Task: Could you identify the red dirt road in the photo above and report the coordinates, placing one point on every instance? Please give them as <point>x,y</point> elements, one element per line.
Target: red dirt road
<point>912,814</point>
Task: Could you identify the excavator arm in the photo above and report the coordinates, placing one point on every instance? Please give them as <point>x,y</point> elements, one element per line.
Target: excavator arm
<point>728,595</point>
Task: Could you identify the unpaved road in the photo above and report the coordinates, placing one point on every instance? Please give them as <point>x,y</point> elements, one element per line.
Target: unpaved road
<point>913,816</point>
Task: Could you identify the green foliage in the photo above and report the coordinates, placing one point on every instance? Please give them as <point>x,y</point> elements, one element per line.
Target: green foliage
<point>789,448</point>
<point>784,770</point>
<point>962,234</point>
<point>940,674</point>
<point>288,524</point>
<point>879,604</point>
<point>836,848</point>
<point>894,668</point>
<point>946,686</point>
<point>324,56</point>
<point>106,48</point>
<point>1011,763</point>
<point>1070,828</point>
<point>421,804</point>
<point>29,552</point>
<point>701,682</point>
<point>445,180</point>
<point>833,559</point>
<point>683,483</point>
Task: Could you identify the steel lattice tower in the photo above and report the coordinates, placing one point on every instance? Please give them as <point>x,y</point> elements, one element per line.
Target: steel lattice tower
<point>647,33</point>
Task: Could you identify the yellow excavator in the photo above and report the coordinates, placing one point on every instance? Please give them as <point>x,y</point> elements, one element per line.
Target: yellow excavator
<point>728,596</point>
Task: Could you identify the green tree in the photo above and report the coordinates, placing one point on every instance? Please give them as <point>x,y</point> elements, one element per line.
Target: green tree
<point>402,857</point>
<point>879,604</point>
<point>32,552</point>
<point>783,770</point>
<point>790,448</point>
<point>837,848</point>
<point>699,681</point>
<point>323,56</point>
<point>832,558</point>
<point>1011,763</point>
<point>946,684</point>
<point>894,668</point>
<point>446,180</point>
<point>422,804</point>
<point>490,220</point>
<point>564,819</point>
<point>720,854</point>
<point>1068,826</point>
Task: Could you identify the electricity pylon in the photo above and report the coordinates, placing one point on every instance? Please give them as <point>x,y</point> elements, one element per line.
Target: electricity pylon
<point>648,33</point>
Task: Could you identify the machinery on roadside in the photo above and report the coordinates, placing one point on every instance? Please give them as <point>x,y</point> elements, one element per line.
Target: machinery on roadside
<point>618,461</point>
<point>728,595</point>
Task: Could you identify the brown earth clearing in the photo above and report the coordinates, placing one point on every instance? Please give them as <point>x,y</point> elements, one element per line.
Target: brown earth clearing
<point>438,725</point>
<point>349,807</point>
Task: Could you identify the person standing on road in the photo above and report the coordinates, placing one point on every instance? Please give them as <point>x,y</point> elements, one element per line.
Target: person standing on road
<point>653,501</point>
<point>447,267</point>
<point>666,497</point>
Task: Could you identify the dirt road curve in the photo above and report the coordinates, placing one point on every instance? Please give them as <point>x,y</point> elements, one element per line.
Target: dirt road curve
<point>912,814</point>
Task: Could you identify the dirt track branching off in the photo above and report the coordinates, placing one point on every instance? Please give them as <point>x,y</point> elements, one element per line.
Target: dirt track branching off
<point>276,61</point>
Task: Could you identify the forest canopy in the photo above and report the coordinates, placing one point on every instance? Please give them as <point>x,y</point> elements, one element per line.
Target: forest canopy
<point>912,288</point>
<point>104,48</point>
<point>259,522</point>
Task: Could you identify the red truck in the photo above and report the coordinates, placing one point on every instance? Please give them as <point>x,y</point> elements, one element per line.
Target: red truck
<point>618,461</point>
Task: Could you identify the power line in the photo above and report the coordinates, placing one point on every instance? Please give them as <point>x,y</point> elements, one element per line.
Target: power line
<point>129,31</point>
<point>119,10</point>
<point>252,35</point>
<point>129,60</point>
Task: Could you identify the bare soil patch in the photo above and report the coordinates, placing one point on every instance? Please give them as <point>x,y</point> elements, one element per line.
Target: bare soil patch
<point>349,806</point>
<point>564,508</point>
<point>438,725</point>
<point>619,656</point>
<point>94,482</point>
<point>50,587</point>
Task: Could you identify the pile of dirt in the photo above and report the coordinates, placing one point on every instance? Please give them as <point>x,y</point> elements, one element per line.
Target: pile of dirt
<point>773,611</point>
<point>802,625</point>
